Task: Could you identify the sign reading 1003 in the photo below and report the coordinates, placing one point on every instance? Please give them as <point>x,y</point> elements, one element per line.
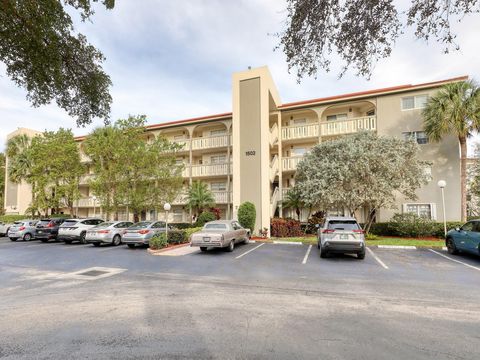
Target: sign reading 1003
<point>250,153</point>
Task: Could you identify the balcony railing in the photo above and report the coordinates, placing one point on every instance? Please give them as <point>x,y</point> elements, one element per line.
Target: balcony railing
<point>87,202</point>
<point>210,169</point>
<point>290,163</point>
<point>300,131</point>
<point>210,142</point>
<point>327,128</point>
<point>221,197</point>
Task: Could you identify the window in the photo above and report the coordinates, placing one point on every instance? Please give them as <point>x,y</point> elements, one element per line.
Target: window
<point>414,102</point>
<point>177,215</point>
<point>343,225</point>
<point>179,161</point>
<point>298,151</point>
<point>179,137</point>
<point>337,117</point>
<point>217,132</point>
<point>218,159</point>
<point>468,226</point>
<point>370,112</point>
<point>423,210</point>
<point>216,226</point>
<point>218,186</point>
<point>419,136</point>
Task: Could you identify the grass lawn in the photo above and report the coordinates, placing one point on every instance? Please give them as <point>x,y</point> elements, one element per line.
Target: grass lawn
<point>379,241</point>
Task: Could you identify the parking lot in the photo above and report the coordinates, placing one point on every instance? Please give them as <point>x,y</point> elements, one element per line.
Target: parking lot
<point>262,300</point>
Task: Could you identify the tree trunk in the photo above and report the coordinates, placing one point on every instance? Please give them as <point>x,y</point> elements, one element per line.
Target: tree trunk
<point>463,176</point>
<point>297,211</point>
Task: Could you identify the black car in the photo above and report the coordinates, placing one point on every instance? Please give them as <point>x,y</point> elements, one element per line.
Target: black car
<point>47,229</point>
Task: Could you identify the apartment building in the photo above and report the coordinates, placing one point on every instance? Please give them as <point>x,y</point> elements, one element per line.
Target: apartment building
<point>251,154</point>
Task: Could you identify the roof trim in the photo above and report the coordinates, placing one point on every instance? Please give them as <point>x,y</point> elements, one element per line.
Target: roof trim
<point>367,93</point>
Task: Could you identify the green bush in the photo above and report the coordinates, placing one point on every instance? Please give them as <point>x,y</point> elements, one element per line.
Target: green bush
<point>190,231</point>
<point>181,226</point>
<point>247,215</point>
<point>12,218</point>
<point>316,218</point>
<point>371,236</point>
<point>204,217</point>
<point>158,241</point>
<point>65,216</point>
<point>177,237</point>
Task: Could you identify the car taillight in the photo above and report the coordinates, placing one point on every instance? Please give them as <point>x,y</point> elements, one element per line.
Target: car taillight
<point>143,232</point>
<point>359,231</point>
<point>104,231</point>
<point>50,224</point>
<point>328,231</point>
<point>21,228</point>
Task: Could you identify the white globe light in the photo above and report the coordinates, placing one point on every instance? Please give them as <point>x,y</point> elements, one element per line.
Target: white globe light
<point>442,183</point>
<point>167,207</point>
<point>94,197</point>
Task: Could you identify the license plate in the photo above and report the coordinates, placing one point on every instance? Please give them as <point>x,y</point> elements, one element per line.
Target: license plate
<point>40,232</point>
<point>206,239</point>
<point>344,237</point>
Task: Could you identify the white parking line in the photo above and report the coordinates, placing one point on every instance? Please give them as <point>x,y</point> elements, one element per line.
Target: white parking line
<point>377,258</point>
<point>454,260</point>
<point>246,252</point>
<point>306,255</point>
<point>110,247</point>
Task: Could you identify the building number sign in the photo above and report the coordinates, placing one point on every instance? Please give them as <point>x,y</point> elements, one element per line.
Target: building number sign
<point>250,153</point>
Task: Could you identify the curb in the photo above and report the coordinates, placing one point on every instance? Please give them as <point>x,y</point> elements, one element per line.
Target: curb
<point>154,252</point>
<point>407,247</point>
<point>288,242</point>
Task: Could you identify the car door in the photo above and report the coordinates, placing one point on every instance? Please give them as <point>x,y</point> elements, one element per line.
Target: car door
<point>461,237</point>
<point>473,240</point>
<point>238,231</point>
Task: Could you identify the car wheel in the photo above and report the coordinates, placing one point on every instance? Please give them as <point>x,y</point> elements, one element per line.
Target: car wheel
<point>68,241</point>
<point>361,255</point>
<point>82,237</point>
<point>27,237</point>
<point>97,244</point>
<point>323,253</point>
<point>451,248</point>
<point>231,246</point>
<point>13,239</point>
<point>117,240</point>
<point>131,246</point>
<point>203,248</point>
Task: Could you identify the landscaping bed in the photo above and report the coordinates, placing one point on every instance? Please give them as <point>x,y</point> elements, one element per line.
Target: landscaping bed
<point>398,241</point>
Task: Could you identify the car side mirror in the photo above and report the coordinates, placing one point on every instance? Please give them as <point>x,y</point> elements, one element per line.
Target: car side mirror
<point>317,226</point>
<point>457,229</point>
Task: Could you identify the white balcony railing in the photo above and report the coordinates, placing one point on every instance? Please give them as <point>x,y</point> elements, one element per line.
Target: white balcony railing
<point>273,168</point>
<point>290,163</point>
<point>87,202</point>
<point>210,169</point>
<point>299,131</point>
<point>349,126</point>
<point>210,142</point>
<point>221,197</point>
<point>327,128</point>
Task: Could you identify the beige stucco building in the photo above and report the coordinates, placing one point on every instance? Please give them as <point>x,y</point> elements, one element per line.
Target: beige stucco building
<point>251,153</point>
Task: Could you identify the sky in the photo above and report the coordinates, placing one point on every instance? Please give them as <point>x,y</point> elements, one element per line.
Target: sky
<point>173,60</point>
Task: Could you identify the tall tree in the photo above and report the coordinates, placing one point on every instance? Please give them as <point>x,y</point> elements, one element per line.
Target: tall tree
<point>45,56</point>
<point>361,32</point>
<point>293,200</point>
<point>358,171</point>
<point>455,110</point>
<point>199,197</point>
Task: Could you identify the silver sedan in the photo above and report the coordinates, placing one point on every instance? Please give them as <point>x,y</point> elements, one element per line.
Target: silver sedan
<point>107,233</point>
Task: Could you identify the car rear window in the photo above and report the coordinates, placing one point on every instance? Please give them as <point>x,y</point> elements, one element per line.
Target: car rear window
<point>18,223</point>
<point>43,222</point>
<point>140,225</point>
<point>67,223</point>
<point>343,225</point>
<point>216,226</point>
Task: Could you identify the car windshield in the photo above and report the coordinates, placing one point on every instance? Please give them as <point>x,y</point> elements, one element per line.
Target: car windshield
<point>215,227</point>
<point>69,223</point>
<point>140,225</point>
<point>343,225</point>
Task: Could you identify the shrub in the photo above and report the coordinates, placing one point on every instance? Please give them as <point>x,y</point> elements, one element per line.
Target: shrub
<point>371,236</point>
<point>285,227</point>
<point>190,231</point>
<point>177,237</point>
<point>382,228</point>
<point>316,218</point>
<point>66,216</point>
<point>247,215</point>
<point>12,218</point>
<point>204,217</point>
<point>217,212</point>
<point>158,241</point>
<point>412,225</point>
<point>181,226</point>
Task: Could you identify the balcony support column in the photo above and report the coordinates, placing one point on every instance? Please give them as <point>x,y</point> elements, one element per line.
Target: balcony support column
<point>190,162</point>
<point>229,216</point>
<point>280,164</point>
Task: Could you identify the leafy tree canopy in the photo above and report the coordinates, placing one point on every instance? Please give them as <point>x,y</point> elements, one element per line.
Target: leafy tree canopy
<point>361,32</point>
<point>45,56</point>
<point>360,170</point>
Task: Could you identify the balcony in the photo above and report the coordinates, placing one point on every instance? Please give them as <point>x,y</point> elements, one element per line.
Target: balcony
<point>290,163</point>
<point>85,179</point>
<point>210,142</point>
<point>329,128</point>
<point>87,202</point>
<point>210,170</point>
<point>221,197</point>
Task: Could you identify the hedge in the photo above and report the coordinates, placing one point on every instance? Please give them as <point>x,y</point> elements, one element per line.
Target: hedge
<point>280,227</point>
<point>190,231</point>
<point>181,226</point>
<point>205,217</point>
<point>12,218</point>
<point>175,237</point>
<point>390,229</point>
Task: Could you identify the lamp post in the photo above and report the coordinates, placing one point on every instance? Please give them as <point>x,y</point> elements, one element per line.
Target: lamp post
<point>94,205</point>
<point>441,184</point>
<point>167,208</point>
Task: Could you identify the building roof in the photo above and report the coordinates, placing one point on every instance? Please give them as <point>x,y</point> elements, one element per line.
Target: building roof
<point>298,104</point>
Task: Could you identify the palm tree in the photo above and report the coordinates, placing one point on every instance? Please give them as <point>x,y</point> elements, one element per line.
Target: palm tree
<point>199,197</point>
<point>455,110</point>
<point>293,200</point>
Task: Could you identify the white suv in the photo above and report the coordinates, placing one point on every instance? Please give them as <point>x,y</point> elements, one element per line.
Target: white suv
<point>76,229</point>
<point>341,234</point>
